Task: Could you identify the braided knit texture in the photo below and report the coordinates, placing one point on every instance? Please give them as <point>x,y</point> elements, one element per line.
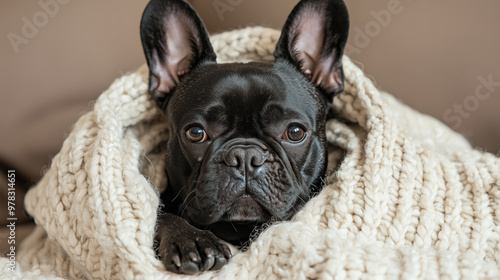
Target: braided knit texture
<point>408,199</point>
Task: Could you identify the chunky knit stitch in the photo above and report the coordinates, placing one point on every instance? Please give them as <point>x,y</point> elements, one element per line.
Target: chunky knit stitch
<point>407,198</point>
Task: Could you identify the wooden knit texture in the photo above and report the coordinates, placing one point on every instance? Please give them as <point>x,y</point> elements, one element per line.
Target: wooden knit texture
<point>410,198</point>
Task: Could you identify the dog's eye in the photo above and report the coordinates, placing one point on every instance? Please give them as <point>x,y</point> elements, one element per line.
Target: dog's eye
<point>294,133</point>
<point>196,134</point>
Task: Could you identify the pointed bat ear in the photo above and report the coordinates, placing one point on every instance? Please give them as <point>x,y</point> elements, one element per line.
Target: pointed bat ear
<point>174,41</point>
<point>313,39</point>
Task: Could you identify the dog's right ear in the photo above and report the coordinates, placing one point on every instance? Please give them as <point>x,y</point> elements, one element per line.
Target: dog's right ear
<point>175,41</point>
<point>313,40</point>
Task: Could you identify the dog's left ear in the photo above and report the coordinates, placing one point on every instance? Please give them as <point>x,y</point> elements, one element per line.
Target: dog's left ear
<point>175,41</point>
<point>313,39</point>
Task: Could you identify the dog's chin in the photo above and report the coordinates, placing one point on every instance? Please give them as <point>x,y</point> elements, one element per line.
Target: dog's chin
<point>240,220</point>
<point>245,209</point>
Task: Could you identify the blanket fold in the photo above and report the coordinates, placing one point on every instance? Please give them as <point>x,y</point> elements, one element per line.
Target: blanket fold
<point>406,197</point>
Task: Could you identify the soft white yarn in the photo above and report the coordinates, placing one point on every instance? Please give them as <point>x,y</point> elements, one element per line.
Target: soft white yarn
<point>410,199</point>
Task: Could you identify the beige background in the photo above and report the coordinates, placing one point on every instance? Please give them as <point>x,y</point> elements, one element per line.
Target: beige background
<point>430,54</point>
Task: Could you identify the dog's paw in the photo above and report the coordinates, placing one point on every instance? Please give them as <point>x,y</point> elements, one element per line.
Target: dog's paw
<point>190,250</point>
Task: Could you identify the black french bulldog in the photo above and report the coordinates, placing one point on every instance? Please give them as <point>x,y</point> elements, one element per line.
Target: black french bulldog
<point>247,140</point>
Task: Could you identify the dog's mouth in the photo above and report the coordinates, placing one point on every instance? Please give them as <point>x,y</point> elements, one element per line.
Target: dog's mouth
<point>244,210</point>
<point>241,219</point>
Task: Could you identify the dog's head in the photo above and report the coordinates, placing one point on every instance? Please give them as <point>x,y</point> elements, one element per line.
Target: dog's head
<point>247,141</point>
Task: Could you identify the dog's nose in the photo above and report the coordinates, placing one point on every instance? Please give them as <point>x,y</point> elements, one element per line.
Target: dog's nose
<point>246,158</point>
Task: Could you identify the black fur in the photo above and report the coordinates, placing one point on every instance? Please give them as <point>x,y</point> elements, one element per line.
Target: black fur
<point>247,142</point>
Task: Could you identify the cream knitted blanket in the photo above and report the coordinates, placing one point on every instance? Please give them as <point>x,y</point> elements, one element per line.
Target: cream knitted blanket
<point>409,198</point>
